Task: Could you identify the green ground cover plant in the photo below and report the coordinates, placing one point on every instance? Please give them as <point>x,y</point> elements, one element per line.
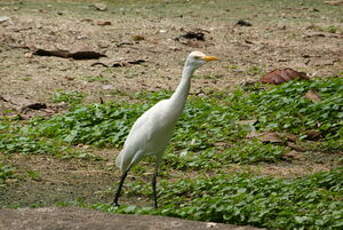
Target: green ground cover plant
<point>6,172</point>
<point>313,202</point>
<point>209,138</point>
<point>207,121</point>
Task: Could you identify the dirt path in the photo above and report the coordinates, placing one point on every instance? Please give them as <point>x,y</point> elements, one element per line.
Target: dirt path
<point>75,218</point>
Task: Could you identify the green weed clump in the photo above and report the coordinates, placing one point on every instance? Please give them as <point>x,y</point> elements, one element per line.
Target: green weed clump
<point>97,124</point>
<point>13,139</point>
<point>207,134</point>
<point>17,138</point>
<point>6,172</point>
<point>70,97</point>
<point>244,152</point>
<point>11,143</point>
<point>207,124</point>
<point>284,107</point>
<point>204,124</point>
<point>312,202</point>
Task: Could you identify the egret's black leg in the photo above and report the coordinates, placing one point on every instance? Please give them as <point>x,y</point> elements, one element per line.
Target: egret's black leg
<point>117,194</point>
<point>154,194</point>
<point>154,180</point>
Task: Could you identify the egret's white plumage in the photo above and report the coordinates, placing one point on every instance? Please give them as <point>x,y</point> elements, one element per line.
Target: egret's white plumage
<point>151,132</point>
<point>149,135</point>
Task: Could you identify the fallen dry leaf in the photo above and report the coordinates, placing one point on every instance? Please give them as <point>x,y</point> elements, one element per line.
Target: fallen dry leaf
<point>56,53</point>
<point>200,36</point>
<point>266,137</point>
<point>270,138</point>
<point>197,35</point>
<point>313,134</point>
<point>321,34</point>
<point>312,95</point>
<point>120,63</point>
<point>290,137</point>
<point>334,3</point>
<point>243,23</point>
<point>104,23</point>
<point>194,39</point>
<point>136,62</point>
<point>78,55</point>
<point>34,106</point>
<point>293,155</point>
<point>295,147</point>
<point>282,75</point>
<point>138,37</point>
<point>126,43</point>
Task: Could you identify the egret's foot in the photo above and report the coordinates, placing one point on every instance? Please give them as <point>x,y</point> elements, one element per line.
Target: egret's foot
<point>154,192</point>
<point>155,205</point>
<point>115,204</point>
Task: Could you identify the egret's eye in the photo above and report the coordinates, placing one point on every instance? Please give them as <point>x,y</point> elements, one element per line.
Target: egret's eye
<point>196,57</point>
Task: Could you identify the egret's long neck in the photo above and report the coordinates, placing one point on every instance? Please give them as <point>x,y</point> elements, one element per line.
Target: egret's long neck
<point>180,95</point>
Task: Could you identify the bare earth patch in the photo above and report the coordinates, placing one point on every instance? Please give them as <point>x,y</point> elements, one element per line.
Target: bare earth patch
<point>47,180</point>
<point>76,218</point>
<point>284,37</point>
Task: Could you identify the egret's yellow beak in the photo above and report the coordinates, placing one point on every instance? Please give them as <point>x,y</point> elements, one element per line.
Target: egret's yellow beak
<point>209,58</point>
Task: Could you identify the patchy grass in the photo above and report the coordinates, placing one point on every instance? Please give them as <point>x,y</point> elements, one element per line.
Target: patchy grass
<point>96,79</point>
<point>208,125</point>
<point>210,120</point>
<point>69,97</point>
<point>16,137</point>
<point>244,152</point>
<point>209,139</point>
<point>6,172</point>
<point>284,108</point>
<point>312,202</point>
<point>97,124</point>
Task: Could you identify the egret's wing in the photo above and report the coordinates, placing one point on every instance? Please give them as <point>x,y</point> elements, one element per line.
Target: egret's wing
<point>140,134</point>
<point>141,125</point>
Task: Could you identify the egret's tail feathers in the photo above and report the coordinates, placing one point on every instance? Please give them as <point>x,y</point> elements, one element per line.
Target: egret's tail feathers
<point>123,160</point>
<point>119,161</point>
<point>126,159</point>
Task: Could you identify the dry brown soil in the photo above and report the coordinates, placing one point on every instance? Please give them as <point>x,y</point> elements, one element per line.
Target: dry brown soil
<point>83,219</point>
<point>282,35</point>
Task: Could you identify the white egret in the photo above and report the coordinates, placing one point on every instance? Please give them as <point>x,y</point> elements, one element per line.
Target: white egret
<point>151,132</point>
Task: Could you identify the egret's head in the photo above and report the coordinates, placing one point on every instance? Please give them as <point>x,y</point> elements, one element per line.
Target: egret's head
<point>197,59</point>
